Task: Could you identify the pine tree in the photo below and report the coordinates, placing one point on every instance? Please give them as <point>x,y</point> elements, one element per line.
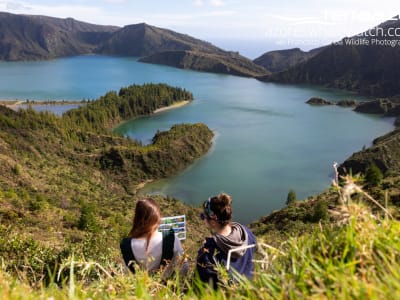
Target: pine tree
<point>291,197</point>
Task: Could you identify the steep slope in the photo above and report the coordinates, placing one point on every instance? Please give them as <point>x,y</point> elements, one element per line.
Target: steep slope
<point>385,153</point>
<point>143,39</point>
<point>366,64</point>
<point>162,46</point>
<point>68,186</point>
<point>280,60</point>
<point>225,63</point>
<point>26,37</point>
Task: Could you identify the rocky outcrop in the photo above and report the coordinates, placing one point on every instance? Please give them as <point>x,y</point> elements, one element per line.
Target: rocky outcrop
<point>319,101</point>
<point>377,107</point>
<point>384,153</point>
<point>347,103</point>
<point>397,122</point>
<point>342,103</point>
<point>394,111</point>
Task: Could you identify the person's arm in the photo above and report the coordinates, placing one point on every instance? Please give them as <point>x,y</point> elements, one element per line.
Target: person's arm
<point>182,261</point>
<point>127,254</point>
<point>178,262</point>
<point>206,264</point>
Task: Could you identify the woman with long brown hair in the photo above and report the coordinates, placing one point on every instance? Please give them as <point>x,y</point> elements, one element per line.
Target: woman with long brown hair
<point>145,245</point>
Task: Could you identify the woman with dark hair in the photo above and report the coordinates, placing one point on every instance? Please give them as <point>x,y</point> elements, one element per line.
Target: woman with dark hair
<point>145,245</point>
<point>231,244</point>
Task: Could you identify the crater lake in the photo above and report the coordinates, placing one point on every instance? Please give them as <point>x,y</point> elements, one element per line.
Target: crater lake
<point>267,140</point>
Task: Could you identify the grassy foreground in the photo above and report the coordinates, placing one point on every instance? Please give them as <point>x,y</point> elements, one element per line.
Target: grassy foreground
<point>358,259</point>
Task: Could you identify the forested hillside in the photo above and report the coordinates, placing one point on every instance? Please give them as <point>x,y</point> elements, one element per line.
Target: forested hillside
<point>68,185</point>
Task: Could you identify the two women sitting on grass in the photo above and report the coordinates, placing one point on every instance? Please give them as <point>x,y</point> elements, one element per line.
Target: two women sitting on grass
<point>231,244</point>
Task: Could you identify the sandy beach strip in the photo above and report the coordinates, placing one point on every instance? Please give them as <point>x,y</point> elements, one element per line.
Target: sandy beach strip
<point>12,104</point>
<point>173,106</point>
<point>17,104</point>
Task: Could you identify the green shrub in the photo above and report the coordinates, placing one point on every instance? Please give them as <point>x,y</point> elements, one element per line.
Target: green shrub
<point>25,255</point>
<point>39,203</point>
<point>373,176</point>
<point>291,197</point>
<point>87,220</point>
<point>17,169</point>
<point>11,194</point>
<point>320,211</point>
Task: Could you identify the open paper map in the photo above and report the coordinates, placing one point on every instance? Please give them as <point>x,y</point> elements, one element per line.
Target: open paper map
<point>177,223</point>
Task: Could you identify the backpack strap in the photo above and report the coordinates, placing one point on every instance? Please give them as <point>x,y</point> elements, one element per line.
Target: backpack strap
<point>168,242</point>
<point>127,254</point>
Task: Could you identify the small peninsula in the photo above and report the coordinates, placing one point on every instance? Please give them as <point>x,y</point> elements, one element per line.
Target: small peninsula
<point>57,168</point>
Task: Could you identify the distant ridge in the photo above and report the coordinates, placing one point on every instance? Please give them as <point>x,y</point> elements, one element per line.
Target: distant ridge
<point>280,60</point>
<point>372,68</point>
<point>143,39</point>
<point>27,37</point>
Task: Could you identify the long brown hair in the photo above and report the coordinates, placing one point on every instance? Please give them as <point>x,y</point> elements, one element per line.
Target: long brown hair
<point>147,215</point>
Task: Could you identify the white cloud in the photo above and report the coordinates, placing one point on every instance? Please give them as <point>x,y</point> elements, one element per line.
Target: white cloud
<point>85,13</point>
<point>217,3</point>
<point>167,20</point>
<point>217,13</point>
<point>214,3</point>
<point>15,6</point>
<point>198,2</point>
<point>115,1</point>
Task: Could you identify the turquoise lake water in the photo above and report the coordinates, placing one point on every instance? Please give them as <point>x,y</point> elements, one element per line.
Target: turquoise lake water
<point>267,140</point>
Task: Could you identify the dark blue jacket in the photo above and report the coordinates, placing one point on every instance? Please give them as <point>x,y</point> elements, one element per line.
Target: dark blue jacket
<point>209,254</point>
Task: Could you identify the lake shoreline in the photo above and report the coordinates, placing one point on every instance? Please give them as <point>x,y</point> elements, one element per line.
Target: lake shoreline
<point>172,106</point>
<point>156,112</point>
<point>17,104</point>
<point>141,185</point>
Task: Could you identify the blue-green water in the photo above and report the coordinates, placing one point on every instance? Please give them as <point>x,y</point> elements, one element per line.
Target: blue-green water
<point>267,139</point>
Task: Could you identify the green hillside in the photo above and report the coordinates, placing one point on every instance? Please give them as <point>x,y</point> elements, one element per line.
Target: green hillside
<point>68,185</point>
<point>68,190</point>
<point>30,37</point>
<point>62,218</point>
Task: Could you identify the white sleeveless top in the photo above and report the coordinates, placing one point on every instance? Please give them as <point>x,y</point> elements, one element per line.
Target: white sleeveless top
<point>151,261</point>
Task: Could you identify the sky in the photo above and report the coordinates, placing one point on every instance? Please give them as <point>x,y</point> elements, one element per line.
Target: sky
<point>250,27</point>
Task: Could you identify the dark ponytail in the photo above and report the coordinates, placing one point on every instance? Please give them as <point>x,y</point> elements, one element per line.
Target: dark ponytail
<point>221,206</point>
